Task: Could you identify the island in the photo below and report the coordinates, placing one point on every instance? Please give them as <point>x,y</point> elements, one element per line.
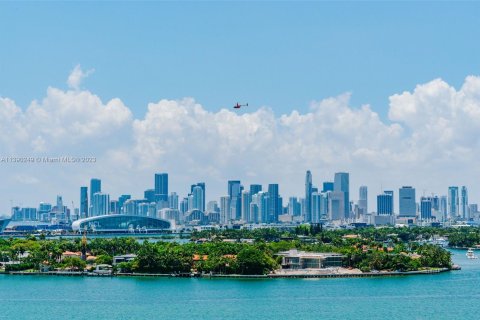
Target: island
<point>307,251</point>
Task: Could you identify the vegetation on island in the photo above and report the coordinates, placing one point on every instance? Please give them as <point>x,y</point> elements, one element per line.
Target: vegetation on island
<point>242,251</point>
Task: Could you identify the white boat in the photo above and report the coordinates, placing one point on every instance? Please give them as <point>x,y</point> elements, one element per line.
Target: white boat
<point>470,254</point>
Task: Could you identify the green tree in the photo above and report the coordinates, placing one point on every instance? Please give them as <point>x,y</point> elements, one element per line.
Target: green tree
<point>251,260</point>
<point>104,259</point>
<point>74,263</point>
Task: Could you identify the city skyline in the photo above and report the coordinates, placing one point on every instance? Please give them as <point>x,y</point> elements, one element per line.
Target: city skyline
<point>256,206</point>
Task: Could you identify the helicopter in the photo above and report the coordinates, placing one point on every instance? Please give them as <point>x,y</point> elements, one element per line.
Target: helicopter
<point>238,105</point>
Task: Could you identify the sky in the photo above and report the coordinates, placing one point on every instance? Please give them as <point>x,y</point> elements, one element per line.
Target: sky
<point>388,91</point>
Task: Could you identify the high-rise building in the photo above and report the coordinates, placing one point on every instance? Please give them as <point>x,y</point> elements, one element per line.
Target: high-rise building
<point>407,204</point>
<point>201,185</point>
<point>255,188</point>
<point>385,204</point>
<point>152,210</point>
<point>264,208</point>
<point>453,202</point>
<point>464,203</point>
<point>142,209</point>
<point>190,202</point>
<point>184,205</point>
<point>225,209</point>
<point>308,197</point>
<point>161,187</point>
<point>212,206</point>
<point>315,207</point>
<point>121,201</point>
<point>28,214</point>
<point>44,210</point>
<point>235,193</point>
<point>198,197</point>
<point>435,203</point>
<point>472,208</point>
<point>95,186</point>
<point>275,207</point>
<point>130,207</point>
<point>114,208</point>
<point>443,208</point>
<point>328,186</point>
<point>363,199</point>
<point>341,184</point>
<point>426,208</point>
<point>324,205</point>
<point>254,210</point>
<point>246,199</point>
<point>83,202</point>
<point>173,201</point>
<point>100,204</point>
<point>336,203</point>
<point>149,195</point>
<point>294,207</point>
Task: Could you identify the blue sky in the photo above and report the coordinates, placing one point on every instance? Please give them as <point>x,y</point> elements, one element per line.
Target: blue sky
<point>277,54</point>
<point>281,55</point>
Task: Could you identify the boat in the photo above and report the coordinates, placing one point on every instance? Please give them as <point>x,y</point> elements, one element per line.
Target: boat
<point>470,254</point>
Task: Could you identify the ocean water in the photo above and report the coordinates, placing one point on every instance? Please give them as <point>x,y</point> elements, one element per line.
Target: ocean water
<point>451,295</point>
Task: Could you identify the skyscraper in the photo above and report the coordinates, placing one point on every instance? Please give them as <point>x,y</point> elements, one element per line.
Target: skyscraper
<point>264,207</point>
<point>363,199</point>
<point>114,208</point>
<point>44,210</point>
<point>173,201</point>
<point>464,203</point>
<point>341,184</point>
<point>435,203</point>
<point>453,202</point>
<point>407,204</point>
<point>425,208</point>
<point>201,185</point>
<point>315,207</point>
<point>198,197</point>
<point>246,199</point>
<point>255,188</point>
<point>308,197</point>
<point>101,204</point>
<point>235,193</point>
<point>121,202</point>
<point>328,186</point>
<point>161,187</point>
<point>294,207</point>
<point>184,205</point>
<point>443,207</point>
<point>336,203</point>
<point>385,204</point>
<point>95,186</point>
<point>225,209</point>
<point>149,195</point>
<point>275,208</point>
<point>83,202</point>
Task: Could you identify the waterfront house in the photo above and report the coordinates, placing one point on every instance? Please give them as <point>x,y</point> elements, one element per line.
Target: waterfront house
<point>297,260</point>
<point>67,254</point>
<point>124,258</point>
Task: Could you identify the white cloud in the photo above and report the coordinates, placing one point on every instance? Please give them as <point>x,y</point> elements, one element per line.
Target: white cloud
<point>430,141</point>
<point>76,77</point>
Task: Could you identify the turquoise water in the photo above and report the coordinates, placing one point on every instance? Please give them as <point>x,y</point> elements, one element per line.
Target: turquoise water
<point>444,296</point>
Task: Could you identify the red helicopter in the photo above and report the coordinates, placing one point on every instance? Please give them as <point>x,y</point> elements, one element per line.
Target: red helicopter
<point>238,105</point>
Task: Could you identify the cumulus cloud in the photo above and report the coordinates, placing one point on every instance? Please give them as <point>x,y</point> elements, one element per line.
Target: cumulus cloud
<point>430,140</point>
<point>76,77</point>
